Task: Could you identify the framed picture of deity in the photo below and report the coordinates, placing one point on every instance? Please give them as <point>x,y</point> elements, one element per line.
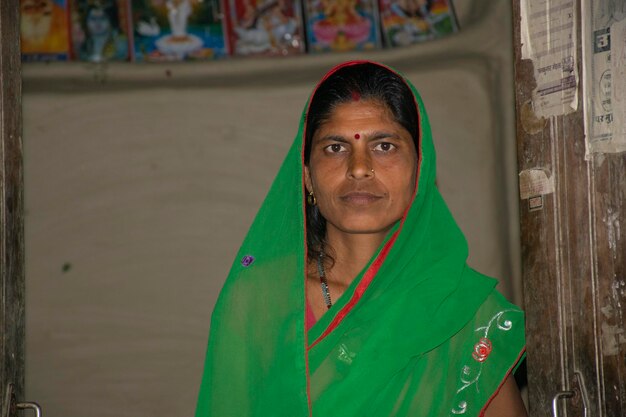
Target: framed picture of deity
<point>265,27</point>
<point>44,30</point>
<point>342,25</point>
<point>176,30</point>
<point>99,30</point>
<point>406,22</point>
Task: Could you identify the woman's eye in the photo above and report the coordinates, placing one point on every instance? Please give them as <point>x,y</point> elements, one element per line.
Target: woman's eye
<point>335,148</point>
<point>385,147</point>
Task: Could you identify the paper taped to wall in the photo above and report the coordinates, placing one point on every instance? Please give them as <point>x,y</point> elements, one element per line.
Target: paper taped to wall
<point>535,182</point>
<point>548,34</point>
<point>604,52</point>
<point>618,92</point>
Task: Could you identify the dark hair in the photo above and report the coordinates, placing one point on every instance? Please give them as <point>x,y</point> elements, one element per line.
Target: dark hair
<point>363,81</point>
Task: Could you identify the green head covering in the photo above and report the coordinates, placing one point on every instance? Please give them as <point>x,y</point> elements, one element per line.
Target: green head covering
<point>418,333</point>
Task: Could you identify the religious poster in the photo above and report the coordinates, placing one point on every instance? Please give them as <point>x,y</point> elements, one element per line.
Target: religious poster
<point>406,22</point>
<point>175,30</point>
<point>44,30</point>
<point>99,30</point>
<point>265,27</point>
<point>342,25</point>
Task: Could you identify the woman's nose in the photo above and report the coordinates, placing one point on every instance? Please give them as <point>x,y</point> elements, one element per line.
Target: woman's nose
<point>360,166</point>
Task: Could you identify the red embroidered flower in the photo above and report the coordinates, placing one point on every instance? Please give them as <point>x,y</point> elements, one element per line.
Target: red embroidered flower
<point>482,349</point>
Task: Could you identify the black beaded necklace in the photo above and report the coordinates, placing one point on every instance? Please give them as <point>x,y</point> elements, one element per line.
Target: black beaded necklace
<point>323,281</point>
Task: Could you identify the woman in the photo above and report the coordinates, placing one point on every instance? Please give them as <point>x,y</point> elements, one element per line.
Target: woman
<point>351,295</point>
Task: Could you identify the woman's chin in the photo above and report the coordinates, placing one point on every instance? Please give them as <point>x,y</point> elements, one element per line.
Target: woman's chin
<point>364,226</point>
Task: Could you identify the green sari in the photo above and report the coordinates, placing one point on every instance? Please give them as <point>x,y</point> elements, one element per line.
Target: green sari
<point>418,332</point>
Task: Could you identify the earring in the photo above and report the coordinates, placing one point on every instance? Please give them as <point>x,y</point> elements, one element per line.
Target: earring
<point>311,199</point>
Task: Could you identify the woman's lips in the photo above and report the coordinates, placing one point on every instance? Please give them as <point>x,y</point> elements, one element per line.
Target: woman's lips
<point>360,198</point>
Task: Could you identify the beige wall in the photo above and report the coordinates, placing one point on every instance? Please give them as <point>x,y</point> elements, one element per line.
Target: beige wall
<point>139,191</point>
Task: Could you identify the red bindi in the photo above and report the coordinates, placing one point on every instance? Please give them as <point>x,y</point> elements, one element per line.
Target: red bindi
<point>357,136</point>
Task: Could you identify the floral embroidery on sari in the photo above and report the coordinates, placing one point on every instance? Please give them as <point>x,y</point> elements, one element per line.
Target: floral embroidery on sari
<point>482,349</point>
<point>345,355</point>
<point>470,373</point>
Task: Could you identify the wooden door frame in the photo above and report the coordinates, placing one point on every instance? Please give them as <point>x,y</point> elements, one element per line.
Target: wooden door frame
<point>11,208</point>
<point>573,258</point>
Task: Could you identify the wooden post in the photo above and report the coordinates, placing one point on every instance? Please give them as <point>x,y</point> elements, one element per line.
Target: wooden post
<point>11,207</point>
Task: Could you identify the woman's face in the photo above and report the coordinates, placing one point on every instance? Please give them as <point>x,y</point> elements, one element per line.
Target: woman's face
<point>362,168</point>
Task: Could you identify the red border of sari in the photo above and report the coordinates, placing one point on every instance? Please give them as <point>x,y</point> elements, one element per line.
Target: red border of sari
<point>369,275</point>
<point>506,376</point>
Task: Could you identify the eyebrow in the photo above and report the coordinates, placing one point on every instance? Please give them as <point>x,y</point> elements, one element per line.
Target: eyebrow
<point>382,135</point>
<point>372,136</point>
<point>332,138</point>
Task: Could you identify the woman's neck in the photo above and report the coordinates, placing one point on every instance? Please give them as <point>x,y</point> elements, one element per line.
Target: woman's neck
<point>351,253</point>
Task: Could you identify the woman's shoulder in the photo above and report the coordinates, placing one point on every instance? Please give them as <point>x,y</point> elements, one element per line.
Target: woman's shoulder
<point>497,310</point>
<point>490,347</point>
<point>473,364</point>
<point>497,328</point>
